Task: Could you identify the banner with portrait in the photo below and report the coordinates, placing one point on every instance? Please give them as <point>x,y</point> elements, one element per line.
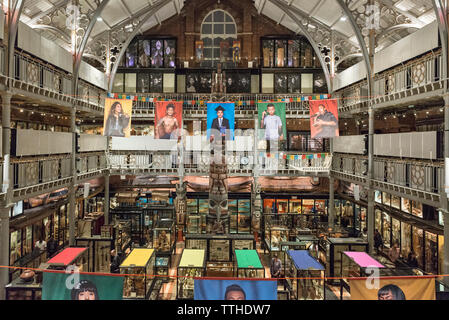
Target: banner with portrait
<point>393,289</point>
<point>235,290</point>
<point>272,122</point>
<point>323,118</point>
<point>220,120</point>
<point>236,51</point>
<point>75,286</point>
<point>117,117</point>
<point>199,51</point>
<point>168,119</point>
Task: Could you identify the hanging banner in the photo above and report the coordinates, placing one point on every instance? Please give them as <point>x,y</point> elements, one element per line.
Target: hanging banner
<point>323,119</point>
<point>235,290</point>
<point>199,51</point>
<point>236,51</point>
<point>62,286</point>
<point>220,120</point>
<point>272,123</point>
<point>168,120</point>
<point>117,117</point>
<point>393,289</point>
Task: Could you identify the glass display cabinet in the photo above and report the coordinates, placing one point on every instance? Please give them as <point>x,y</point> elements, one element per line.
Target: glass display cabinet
<point>19,289</point>
<point>162,268</point>
<point>135,216</point>
<point>122,235</point>
<point>219,248</point>
<point>192,264</point>
<point>219,269</point>
<point>99,252</point>
<point>164,235</point>
<point>240,216</point>
<point>305,276</point>
<point>197,209</point>
<point>354,264</point>
<point>334,247</point>
<point>248,264</point>
<point>274,235</point>
<point>70,256</point>
<point>138,268</point>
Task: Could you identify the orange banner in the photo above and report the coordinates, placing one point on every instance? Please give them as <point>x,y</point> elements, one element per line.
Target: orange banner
<point>323,118</point>
<point>168,119</point>
<point>393,289</point>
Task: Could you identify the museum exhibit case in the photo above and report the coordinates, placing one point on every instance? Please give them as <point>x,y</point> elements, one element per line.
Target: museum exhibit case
<point>355,264</point>
<point>304,276</point>
<point>99,252</point>
<point>91,224</point>
<point>138,268</point>
<point>274,235</point>
<point>24,288</point>
<point>164,233</point>
<point>334,247</point>
<point>219,269</point>
<point>248,264</point>
<point>192,264</point>
<point>220,248</point>
<point>134,215</point>
<point>122,235</point>
<point>70,256</point>
<point>162,267</point>
<point>197,209</point>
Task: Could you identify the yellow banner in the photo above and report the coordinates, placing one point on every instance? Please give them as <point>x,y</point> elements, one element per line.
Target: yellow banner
<point>393,289</point>
<point>117,117</point>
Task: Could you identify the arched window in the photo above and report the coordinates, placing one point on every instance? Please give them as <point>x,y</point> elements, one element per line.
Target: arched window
<point>218,31</point>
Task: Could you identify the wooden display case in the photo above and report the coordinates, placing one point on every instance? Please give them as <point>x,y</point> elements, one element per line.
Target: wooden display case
<point>219,269</point>
<point>303,273</point>
<point>192,264</point>
<point>220,248</point>
<point>138,267</point>
<point>248,264</point>
<point>354,264</point>
<point>99,252</point>
<point>334,247</point>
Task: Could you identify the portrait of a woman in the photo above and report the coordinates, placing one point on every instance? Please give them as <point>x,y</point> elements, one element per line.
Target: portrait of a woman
<point>117,121</point>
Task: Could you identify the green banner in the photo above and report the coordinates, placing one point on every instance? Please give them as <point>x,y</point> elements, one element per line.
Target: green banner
<point>268,127</point>
<point>61,286</point>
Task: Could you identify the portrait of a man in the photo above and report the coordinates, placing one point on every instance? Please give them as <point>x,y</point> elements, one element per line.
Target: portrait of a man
<point>323,119</point>
<point>234,292</point>
<point>390,292</point>
<point>220,120</point>
<point>168,119</point>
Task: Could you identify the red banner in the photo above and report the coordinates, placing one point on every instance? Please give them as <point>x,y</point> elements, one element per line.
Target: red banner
<point>324,118</point>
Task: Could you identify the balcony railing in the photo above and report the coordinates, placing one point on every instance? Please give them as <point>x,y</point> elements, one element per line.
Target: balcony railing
<point>249,101</point>
<point>42,78</point>
<point>418,76</point>
<point>418,175</point>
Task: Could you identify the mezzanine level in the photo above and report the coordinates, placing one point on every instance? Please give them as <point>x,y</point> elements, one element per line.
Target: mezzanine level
<point>37,81</point>
<point>409,83</point>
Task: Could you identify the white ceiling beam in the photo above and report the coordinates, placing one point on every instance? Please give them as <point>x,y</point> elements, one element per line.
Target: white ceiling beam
<point>316,7</point>
<point>262,5</point>
<point>389,4</point>
<point>42,14</point>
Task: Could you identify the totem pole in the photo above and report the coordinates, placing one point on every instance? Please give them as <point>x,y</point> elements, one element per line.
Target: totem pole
<point>181,203</point>
<point>217,219</point>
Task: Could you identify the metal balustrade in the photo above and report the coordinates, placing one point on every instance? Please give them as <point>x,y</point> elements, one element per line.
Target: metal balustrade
<point>249,99</point>
<point>419,76</point>
<point>41,78</point>
<point>420,175</point>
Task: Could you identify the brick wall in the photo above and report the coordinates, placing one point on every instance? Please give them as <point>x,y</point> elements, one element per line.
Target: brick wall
<point>251,26</point>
